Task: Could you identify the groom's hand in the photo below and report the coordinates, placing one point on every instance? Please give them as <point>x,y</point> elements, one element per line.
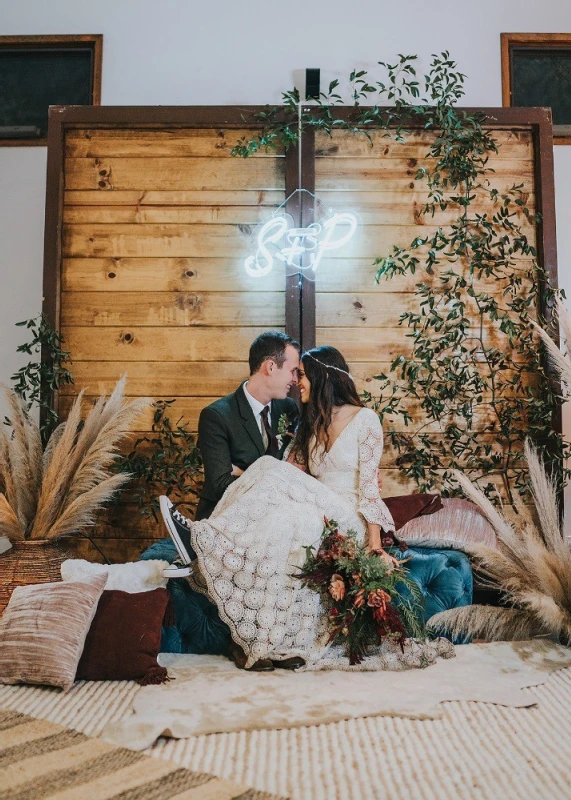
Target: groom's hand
<point>379,479</point>
<point>236,471</point>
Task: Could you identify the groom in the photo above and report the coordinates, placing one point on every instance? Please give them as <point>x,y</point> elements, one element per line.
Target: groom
<point>238,429</point>
<point>234,432</point>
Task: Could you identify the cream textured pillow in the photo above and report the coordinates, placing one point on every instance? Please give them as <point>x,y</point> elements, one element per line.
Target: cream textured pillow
<point>43,630</point>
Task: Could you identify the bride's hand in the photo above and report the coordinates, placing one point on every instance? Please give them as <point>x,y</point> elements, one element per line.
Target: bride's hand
<point>236,471</point>
<point>389,560</point>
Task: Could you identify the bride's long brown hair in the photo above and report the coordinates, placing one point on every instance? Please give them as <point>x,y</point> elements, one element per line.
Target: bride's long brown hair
<point>331,386</point>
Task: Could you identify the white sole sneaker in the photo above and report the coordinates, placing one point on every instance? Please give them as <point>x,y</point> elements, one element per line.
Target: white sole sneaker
<point>165,506</point>
<point>176,572</point>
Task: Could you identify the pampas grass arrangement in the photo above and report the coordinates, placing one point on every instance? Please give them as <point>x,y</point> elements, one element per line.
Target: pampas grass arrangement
<point>56,492</point>
<point>560,361</point>
<point>531,567</point>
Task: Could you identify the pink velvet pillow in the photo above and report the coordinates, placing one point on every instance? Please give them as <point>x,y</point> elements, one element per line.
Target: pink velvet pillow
<point>458,525</point>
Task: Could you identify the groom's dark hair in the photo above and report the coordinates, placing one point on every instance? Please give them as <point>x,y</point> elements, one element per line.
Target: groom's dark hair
<point>270,344</point>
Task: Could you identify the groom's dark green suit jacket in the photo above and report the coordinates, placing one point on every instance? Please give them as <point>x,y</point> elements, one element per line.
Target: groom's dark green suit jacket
<point>228,434</point>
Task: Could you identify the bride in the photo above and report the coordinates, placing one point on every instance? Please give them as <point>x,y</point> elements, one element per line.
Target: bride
<point>249,550</point>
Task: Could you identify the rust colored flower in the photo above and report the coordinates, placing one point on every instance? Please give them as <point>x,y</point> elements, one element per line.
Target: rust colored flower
<point>337,587</point>
<point>334,612</point>
<point>359,600</point>
<point>378,599</point>
<point>357,580</point>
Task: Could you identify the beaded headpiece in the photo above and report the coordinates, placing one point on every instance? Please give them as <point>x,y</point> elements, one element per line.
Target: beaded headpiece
<point>329,366</point>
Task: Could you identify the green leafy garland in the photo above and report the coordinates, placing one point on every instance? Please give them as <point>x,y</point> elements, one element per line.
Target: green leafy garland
<point>473,347</point>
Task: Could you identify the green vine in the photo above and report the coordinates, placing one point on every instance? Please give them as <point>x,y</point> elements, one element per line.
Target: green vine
<point>166,462</point>
<point>38,381</point>
<point>474,352</point>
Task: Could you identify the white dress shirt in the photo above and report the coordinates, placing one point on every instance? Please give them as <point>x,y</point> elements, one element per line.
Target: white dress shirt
<point>257,408</point>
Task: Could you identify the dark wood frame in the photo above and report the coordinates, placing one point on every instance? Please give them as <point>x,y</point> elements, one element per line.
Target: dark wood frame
<point>300,294</point>
<point>553,41</point>
<point>62,42</point>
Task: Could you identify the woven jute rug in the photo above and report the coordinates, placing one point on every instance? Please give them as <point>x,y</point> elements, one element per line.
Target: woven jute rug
<point>40,759</point>
<point>473,751</point>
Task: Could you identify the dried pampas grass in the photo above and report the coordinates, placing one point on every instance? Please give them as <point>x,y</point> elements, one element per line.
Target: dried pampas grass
<point>559,360</point>
<point>57,492</point>
<point>531,567</point>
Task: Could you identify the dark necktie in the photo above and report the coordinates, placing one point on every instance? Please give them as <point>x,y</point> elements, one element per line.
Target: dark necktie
<point>273,447</point>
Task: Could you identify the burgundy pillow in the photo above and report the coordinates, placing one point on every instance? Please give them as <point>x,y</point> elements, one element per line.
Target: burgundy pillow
<point>124,639</point>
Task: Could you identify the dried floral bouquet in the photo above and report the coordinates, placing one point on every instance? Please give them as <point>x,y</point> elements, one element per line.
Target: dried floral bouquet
<point>368,601</point>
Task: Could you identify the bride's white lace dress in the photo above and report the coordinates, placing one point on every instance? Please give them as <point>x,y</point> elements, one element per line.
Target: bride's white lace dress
<point>249,550</point>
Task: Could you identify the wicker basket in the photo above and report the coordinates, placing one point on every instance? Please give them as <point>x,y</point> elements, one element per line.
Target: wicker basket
<point>36,561</point>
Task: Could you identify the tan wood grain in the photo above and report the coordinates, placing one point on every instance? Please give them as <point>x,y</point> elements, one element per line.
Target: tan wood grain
<point>382,144</point>
<point>158,240</point>
<point>158,309</point>
<point>385,344</point>
<point>196,142</point>
<point>197,198</point>
<point>351,173</point>
<point>381,214</point>
<point>116,274</point>
<point>170,379</point>
<point>164,275</point>
<point>160,344</point>
<point>205,215</point>
<point>358,275</point>
<point>237,241</point>
<point>110,173</point>
<point>379,309</point>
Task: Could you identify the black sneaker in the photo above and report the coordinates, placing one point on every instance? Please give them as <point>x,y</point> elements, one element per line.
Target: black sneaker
<point>178,527</point>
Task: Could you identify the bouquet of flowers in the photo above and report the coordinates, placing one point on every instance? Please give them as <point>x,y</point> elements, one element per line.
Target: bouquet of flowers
<point>361,590</point>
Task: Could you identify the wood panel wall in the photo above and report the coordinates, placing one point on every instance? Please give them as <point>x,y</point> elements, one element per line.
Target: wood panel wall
<point>352,313</point>
<point>156,225</point>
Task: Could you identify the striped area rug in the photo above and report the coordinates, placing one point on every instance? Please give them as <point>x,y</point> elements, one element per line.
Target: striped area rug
<point>40,759</point>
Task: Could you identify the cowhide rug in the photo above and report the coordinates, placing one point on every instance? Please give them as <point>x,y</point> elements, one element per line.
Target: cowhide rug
<point>210,695</point>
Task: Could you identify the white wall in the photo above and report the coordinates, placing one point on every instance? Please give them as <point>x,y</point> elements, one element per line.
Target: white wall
<point>192,52</point>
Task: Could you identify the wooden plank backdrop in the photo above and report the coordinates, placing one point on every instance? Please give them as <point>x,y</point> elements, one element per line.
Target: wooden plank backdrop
<point>156,225</point>
<point>361,318</point>
<point>153,225</point>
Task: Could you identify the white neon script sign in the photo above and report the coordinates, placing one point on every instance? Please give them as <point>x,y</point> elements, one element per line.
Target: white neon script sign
<point>279,239</point>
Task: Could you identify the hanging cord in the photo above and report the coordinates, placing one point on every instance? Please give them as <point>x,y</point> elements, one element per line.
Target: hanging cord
<point>299,138</point>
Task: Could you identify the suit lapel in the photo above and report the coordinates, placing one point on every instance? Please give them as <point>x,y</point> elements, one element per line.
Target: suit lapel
<point>249,421</point>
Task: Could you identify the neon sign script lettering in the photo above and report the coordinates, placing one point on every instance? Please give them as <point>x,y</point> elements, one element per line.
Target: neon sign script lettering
<point>279,239</point>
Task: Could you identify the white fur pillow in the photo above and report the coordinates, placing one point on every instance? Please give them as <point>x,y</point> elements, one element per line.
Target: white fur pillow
<point>133,577</point>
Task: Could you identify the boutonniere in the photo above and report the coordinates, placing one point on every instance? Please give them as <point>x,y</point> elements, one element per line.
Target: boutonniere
<point>285,429</point>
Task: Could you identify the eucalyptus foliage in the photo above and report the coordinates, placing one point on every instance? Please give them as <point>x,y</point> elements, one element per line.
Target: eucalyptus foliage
<point>479,285</point>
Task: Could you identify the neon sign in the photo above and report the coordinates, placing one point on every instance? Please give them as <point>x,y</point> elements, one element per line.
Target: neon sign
<point>279,240</point>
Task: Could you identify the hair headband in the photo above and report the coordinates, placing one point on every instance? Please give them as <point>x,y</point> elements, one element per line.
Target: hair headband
<point>329,366</point>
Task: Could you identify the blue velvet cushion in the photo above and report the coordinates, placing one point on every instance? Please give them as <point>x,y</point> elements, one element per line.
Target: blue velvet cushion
<point>444,577</point>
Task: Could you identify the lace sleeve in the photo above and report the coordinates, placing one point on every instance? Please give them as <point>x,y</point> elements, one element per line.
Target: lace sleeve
<point>371,505</point>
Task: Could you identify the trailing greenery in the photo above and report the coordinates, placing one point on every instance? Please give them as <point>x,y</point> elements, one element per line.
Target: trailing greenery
<point>47,371</point>
<point>165,462</point>
<point>472,369</point>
